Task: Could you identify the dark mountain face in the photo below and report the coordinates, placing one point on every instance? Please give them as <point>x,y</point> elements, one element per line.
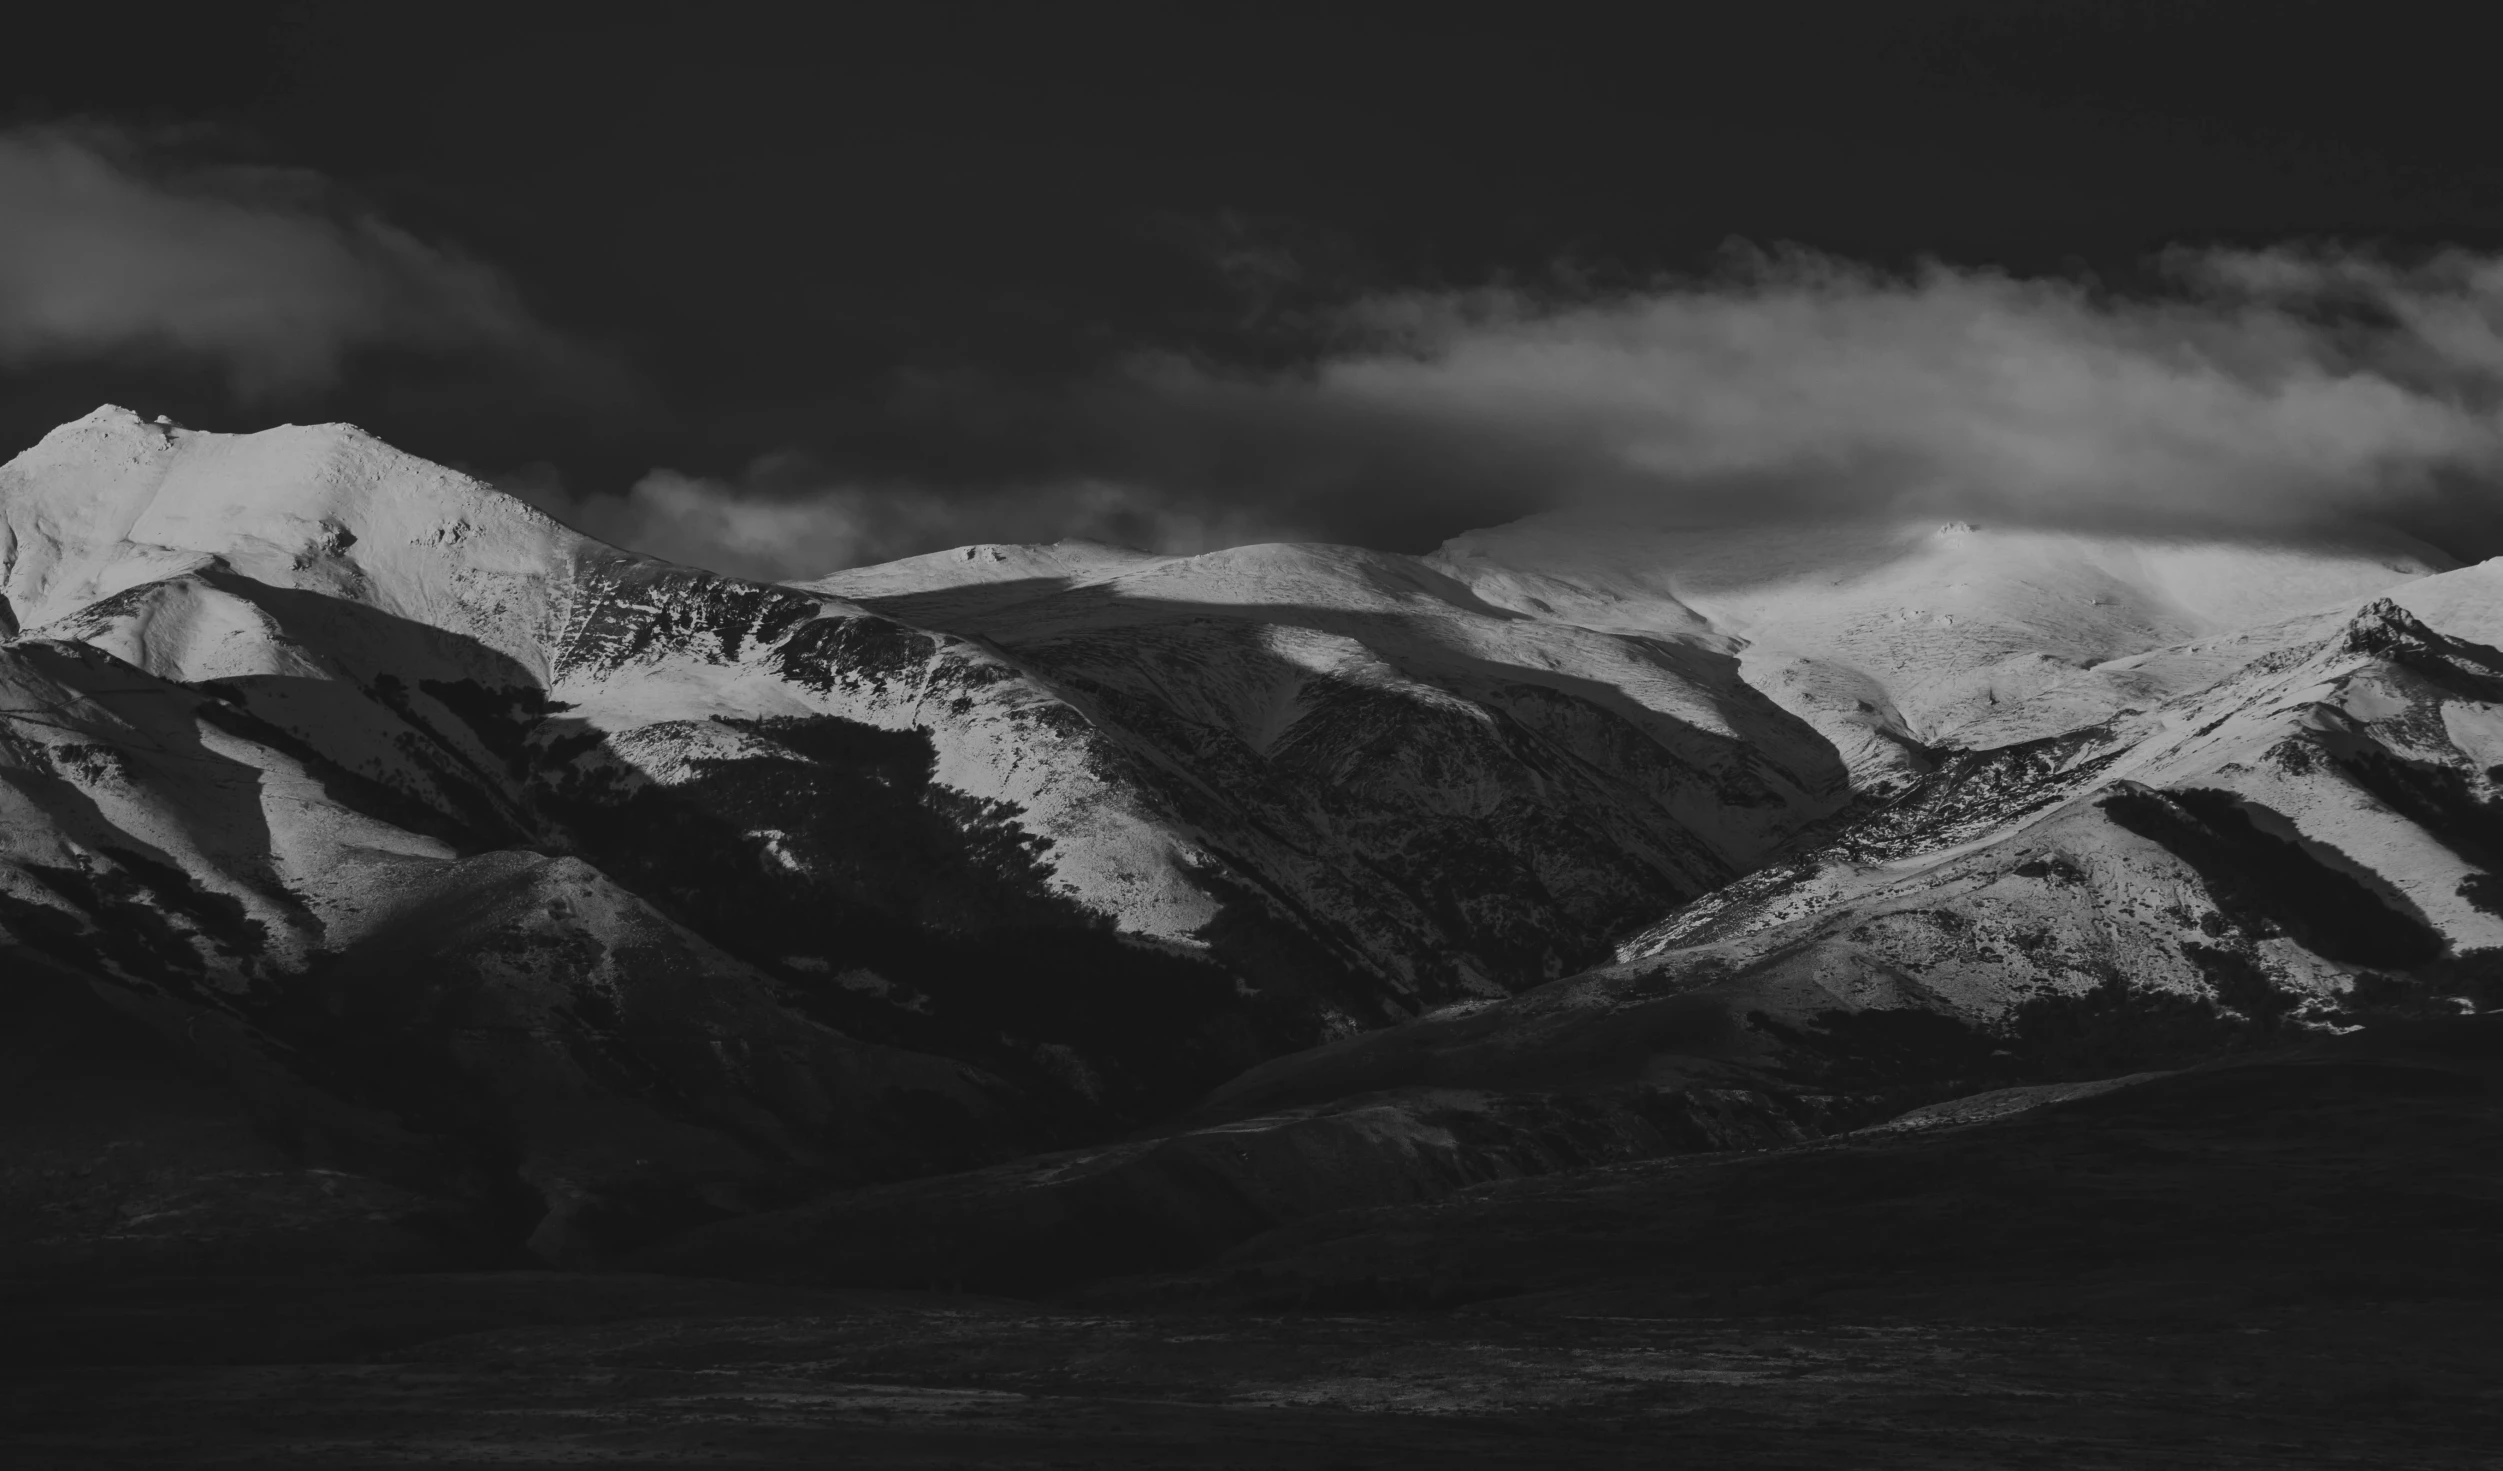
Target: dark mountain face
<point>630,896</point>
<point>434,884</point>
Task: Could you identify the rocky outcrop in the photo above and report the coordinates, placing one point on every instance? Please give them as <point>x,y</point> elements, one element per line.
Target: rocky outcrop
<point>2292,850</point>
<point>528,896</point>
<point>634,896</point>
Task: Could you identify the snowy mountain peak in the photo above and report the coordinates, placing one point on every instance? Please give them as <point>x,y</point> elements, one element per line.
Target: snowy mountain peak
<point>1894,637</point>
<point>112,502</point>
<point>303,728</point>
<point>475,850</point>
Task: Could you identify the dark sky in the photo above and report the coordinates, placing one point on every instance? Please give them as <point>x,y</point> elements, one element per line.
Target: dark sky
<point>906,245</point>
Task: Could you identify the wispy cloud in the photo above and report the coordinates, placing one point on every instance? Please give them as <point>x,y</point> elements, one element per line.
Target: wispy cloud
<point>111,246</point>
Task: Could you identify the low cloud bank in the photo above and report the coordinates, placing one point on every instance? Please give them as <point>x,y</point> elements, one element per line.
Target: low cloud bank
<point>790,522</point>
<point>2260,393</point>
<point>110,246</point>
<point>2267,390</point>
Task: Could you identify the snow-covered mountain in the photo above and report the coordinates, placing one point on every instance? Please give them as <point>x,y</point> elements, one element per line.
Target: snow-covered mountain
<point>1892,636</point>
<point>557,887</point>
<point>2307,835</point>
<point>480,829</point>
<point>1460,798</point>
<point>2305,839</point>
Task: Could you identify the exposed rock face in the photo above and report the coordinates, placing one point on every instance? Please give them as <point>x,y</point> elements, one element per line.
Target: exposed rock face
<point>533,897</point>
<point>2302,841</point>
<point>1453,796</point>
<point>637,894</point>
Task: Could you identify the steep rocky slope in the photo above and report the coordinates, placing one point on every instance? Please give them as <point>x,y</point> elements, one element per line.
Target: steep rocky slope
<point>2304,840</point>
<point>1894,636</point>
<point>1458,796</point>
<point>608,895</point>
<point>520,891</point>
<point>2298,844</point>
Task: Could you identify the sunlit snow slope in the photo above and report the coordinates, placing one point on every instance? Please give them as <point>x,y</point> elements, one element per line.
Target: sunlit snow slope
<point>1487,791</point>
<point>555,896</point>
<point>2306,835</point>
<point>1897,636</point>
<point>2227,847</point>
<point>625,893</point>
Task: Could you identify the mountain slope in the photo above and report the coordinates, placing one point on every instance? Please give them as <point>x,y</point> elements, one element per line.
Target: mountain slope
<point>2306,840</point>
<point>580,900</point>
<point>1487,794</point>
<point>355,761</point>
<point>1893,636</point>
<point>291,757</point>
<point>2302,845</point>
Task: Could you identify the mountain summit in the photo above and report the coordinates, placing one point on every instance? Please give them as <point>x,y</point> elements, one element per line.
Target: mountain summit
<point>459,885</point>
<point>1893,636</point>
<point>617,894</point>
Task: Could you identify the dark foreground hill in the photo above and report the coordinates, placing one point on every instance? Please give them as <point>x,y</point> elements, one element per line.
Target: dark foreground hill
<point>2284,1262</point>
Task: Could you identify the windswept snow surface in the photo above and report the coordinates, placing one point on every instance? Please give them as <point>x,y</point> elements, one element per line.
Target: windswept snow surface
<point>1895,636</point>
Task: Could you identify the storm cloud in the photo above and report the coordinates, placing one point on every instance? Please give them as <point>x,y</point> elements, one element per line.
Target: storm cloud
<point>2258,390</point>
<point>111,245</point>
<point>791,521</point>
<point>2264,393</point>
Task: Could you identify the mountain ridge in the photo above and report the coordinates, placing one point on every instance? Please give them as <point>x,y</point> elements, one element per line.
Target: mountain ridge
<point>648,904</point>
<point>277,693</point>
